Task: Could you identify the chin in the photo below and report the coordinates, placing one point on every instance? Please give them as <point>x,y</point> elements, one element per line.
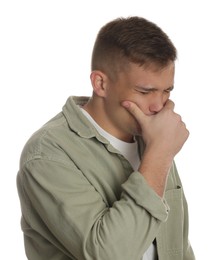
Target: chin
<point>136,131</point>
<point>134,128</point>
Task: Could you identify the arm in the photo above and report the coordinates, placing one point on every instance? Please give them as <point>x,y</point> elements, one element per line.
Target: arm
<point>78,220</point>
<point>164,135</point>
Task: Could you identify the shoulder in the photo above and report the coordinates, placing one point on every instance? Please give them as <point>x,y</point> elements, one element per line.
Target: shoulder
<point>45,141</point>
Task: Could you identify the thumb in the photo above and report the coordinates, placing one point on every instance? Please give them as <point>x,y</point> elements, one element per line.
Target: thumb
<point>134,110</point>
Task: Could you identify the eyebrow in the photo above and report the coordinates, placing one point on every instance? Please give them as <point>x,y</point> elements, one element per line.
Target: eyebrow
<point>170,88</point>
<point>152,88</point>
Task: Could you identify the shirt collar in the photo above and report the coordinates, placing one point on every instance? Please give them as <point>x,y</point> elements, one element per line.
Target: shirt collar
<point>77,121</point>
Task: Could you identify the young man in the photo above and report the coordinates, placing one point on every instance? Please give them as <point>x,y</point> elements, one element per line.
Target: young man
<point>99,181</point>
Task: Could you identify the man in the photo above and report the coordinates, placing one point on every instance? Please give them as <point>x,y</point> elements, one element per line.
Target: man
<point>99,181</point>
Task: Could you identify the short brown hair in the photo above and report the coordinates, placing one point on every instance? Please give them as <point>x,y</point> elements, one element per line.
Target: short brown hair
<point>133,39</point>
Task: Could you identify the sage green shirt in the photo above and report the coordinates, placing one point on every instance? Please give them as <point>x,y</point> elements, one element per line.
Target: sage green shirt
<point>81,199</point>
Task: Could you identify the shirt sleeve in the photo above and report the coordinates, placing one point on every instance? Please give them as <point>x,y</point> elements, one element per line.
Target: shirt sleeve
<point>79,220</point>
<point>188,253</point>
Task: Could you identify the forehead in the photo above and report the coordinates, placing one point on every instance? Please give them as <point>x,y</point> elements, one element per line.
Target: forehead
<point>153,76</point>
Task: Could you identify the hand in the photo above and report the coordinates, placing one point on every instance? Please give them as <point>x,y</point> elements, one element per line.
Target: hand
<point>164,132</point>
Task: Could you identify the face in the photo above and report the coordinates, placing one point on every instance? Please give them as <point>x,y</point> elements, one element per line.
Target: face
<point>149,89</point>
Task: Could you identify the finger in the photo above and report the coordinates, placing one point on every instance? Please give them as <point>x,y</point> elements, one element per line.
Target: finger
<point>169,104</point>
<point>134,110</point>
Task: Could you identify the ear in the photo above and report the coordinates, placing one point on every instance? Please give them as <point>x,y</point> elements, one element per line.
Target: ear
<point>99,83</point>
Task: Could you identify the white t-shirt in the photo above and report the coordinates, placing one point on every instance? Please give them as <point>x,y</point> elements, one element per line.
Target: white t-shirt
<point>130,152</point>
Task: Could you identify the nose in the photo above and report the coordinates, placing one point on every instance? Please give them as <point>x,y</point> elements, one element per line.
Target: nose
<point>157,103</point>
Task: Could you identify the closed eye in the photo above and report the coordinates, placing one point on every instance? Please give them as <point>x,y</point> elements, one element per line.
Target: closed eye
<point>169,89</point>
<point>145,91</point>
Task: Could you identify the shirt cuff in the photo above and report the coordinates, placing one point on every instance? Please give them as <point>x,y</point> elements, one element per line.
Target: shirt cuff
<point>137,188</point>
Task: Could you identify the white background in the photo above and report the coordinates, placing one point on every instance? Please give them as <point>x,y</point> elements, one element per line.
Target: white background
<point>45,51</point>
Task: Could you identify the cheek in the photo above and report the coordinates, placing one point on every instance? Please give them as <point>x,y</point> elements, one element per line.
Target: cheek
<point>143,103</point>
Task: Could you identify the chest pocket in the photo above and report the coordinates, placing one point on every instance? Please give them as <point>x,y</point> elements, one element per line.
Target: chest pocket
<point>171,232</point>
